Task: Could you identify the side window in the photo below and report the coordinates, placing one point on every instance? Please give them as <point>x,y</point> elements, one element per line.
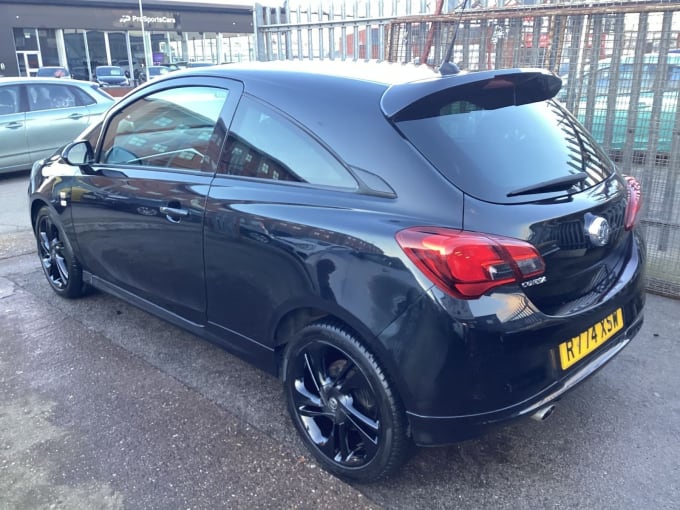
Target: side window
<point>9,100</point>
<point>266,145</point>
<point>172,128</point>
<point>48,97</point>
<point>82,97</point>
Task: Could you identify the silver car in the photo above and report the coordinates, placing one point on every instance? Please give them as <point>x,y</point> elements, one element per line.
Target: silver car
<point>38,115</point>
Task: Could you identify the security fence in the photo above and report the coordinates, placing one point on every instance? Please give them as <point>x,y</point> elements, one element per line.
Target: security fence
<point>619,62</point>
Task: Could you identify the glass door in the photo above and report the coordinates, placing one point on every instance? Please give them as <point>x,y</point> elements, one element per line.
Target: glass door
<point>29,62</point>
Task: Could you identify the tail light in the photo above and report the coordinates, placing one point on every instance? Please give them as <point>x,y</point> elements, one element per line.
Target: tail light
<point>634,202</point>
<point>468,264</point>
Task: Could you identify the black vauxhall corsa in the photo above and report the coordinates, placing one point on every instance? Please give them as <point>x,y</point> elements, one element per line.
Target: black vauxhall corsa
<point>416,255</point>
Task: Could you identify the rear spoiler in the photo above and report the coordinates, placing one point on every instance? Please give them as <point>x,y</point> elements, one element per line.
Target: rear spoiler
<point>497,88</point>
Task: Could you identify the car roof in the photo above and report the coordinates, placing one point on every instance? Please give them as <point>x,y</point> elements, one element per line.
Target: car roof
<point>377,72</point>
<point>397,85</point>
<point>38,79</point>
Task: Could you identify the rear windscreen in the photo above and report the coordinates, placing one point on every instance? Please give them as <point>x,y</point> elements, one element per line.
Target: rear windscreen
<point>490,148</point>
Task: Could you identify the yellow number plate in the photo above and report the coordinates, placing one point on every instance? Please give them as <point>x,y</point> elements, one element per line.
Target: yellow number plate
<point>580,346</point>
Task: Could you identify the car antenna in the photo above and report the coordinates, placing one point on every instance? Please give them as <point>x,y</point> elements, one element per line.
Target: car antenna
<point>447,67</point>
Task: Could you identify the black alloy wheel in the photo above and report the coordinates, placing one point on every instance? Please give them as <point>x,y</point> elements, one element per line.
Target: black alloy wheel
<point>56,256</point>
<point>343,406</point>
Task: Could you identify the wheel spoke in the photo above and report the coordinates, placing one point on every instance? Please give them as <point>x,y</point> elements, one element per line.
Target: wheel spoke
<point>315,433</point>
<point>312,412</point>
<point>44,241</point>
<point>341,433</point>
<point>46,263</point>
<point>304,397</point>
<point>367,427</point>
<point>62,268</point>
<point>316,366</point>
<point>327,443</point>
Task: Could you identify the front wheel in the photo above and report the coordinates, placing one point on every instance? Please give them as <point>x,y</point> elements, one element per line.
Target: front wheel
<point>343,405</point>
<point>56,256</point>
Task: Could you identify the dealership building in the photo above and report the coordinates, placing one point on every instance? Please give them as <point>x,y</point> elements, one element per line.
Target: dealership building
<point>84,34</point>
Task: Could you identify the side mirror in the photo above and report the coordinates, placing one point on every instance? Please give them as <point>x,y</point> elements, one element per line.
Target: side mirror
<point>78,153</point>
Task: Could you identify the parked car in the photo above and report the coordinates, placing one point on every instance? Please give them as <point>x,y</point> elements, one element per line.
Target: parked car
<point>618,117</point>
<point>109,76</point>
<point>39,115</point>
<point>53,72</point>
<point>419,259</point>
<point>153,72</point>
<point>184,64</point>
<point>80,73</point>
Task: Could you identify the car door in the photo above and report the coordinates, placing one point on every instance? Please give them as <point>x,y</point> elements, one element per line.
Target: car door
<point>13,150</point>
<point>273,179</point>
<point>138,212</point>
<point>57,114</point>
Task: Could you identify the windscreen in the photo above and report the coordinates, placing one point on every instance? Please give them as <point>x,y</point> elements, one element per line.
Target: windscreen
<point>109,71</point>
<point>501,152</point>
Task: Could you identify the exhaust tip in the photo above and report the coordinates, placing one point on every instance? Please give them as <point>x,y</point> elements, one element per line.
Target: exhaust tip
<point>543,413</point>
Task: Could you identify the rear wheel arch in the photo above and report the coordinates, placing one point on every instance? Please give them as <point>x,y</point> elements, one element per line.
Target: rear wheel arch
<point>293,321</point>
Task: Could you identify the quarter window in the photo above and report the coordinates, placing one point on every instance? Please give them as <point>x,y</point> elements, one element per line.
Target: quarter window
<point>266,145</point>
<point>174,128</point>
<point>82,97</point>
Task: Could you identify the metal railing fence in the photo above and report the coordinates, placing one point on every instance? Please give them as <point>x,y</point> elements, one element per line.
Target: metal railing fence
<point>619,61</point>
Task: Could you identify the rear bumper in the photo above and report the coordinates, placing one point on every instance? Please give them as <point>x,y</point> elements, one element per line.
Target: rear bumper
<point>468,365</point>
<point>439,430</point>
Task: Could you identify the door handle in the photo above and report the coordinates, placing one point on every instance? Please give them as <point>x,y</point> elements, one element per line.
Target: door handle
<point>76,116</point>
<point>14,125</point>
<point>174,214</point>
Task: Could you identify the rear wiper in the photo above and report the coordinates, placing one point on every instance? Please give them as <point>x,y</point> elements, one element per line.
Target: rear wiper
<point>559,184</point>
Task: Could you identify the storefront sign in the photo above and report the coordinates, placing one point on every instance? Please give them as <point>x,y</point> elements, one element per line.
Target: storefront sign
<point>131,19</point>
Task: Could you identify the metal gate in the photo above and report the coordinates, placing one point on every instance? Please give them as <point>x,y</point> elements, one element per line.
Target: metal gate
<point>619,62</point>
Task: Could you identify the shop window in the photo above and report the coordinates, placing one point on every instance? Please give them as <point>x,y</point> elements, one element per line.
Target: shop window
<point>97,48</point>
<point>25,39</point>
<point>76,55</point>
<point>118,48</point>
<point>48,47</point>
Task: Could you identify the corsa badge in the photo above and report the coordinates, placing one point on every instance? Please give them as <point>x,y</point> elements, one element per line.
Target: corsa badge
<point>535,281</point>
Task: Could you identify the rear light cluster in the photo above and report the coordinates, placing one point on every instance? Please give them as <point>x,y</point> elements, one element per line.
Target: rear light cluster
<point>468,264</point>
<point>634,202</point>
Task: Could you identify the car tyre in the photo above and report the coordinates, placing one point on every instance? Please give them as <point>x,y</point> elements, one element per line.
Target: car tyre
<point>61,268</point>
<point>343,405</point>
